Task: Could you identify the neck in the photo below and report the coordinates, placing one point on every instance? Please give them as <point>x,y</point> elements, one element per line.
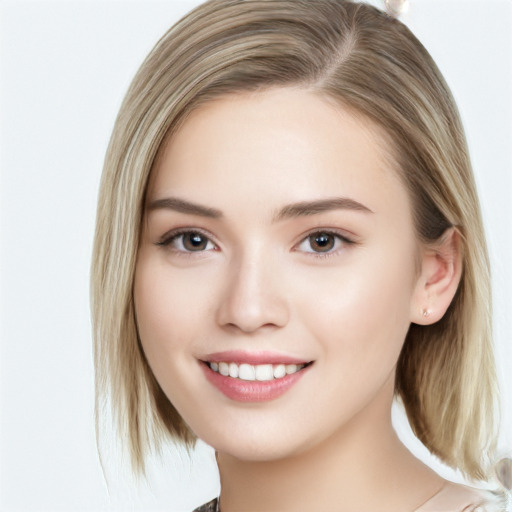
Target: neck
<point>359,468</point>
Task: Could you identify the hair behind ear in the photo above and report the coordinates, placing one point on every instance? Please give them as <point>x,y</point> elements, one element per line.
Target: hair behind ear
<point>445,375</point>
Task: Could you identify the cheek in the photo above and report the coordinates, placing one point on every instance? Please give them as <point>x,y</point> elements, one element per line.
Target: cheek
<point>361,311</point>
<point>170,307</point>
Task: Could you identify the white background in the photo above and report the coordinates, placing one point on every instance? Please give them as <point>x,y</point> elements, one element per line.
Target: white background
<point>64,67</point>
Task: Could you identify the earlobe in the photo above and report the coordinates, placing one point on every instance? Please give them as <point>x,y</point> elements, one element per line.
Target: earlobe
<point>440,274</point>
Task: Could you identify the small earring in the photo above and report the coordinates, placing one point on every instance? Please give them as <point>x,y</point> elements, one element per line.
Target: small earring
<point>425,313</point>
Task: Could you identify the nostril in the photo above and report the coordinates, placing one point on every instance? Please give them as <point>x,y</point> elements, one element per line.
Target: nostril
<point>248,328</point>
<point>253,298</point>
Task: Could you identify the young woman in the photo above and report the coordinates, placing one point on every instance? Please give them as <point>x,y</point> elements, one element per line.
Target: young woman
<point>288,237</point>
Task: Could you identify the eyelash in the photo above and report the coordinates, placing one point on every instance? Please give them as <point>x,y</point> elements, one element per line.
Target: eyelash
<point>341,238</point>
<point>169,238</point>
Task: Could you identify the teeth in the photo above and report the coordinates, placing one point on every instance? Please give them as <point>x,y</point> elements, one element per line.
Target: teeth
<point>260,372</point>
<point>279,371</point>
<point>264,372</point>
<point>291,368</point>
<point>247,372</point>
<point>223,369</point>
<point>233,370</point>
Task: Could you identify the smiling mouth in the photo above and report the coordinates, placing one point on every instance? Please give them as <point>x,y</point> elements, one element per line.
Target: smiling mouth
<point>255,372</point>
<point>245,381</point>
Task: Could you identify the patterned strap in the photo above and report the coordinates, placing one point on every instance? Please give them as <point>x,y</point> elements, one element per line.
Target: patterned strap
<point>211,506</point>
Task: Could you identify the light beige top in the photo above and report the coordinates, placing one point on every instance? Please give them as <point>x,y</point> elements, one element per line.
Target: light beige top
<point>450,498</point>
<point>458,498</point>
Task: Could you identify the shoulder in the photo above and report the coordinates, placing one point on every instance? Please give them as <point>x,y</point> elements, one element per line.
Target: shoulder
<point>460,498</point>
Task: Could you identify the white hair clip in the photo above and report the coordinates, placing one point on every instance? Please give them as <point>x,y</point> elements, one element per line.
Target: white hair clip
<point>396,7</point>
<point>503,470</point>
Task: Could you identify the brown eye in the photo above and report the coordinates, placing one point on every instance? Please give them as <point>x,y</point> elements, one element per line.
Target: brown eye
<point>188,241</point>
<point>194,241</point>
<point>322,242</point>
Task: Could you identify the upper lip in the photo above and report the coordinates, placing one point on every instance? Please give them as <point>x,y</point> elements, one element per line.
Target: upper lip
<point>255,358</point>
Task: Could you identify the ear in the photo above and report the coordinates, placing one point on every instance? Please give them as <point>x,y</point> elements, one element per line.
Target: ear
<point>437,283</point>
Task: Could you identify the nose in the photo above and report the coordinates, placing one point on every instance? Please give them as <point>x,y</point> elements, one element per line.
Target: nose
<point>254,297</point>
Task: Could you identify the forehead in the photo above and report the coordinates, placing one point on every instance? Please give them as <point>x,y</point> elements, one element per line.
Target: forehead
<point>279,145</point>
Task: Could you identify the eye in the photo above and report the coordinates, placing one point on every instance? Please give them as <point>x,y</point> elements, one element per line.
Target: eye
<point>189,241</point>
<point>322,242</point>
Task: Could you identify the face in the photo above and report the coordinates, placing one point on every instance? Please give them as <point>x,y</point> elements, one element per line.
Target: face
<point>276,272</point>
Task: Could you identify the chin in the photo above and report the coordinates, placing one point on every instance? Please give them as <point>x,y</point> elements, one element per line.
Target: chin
<point>270,445</point>
<point>255,452</point>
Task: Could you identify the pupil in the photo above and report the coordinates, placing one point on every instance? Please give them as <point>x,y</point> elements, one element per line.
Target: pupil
<point>194,242</point>
<point>322,242</point>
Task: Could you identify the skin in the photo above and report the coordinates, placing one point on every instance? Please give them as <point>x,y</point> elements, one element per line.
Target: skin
<point>260,284</point>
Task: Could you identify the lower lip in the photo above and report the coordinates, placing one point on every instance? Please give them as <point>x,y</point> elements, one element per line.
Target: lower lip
<point>252,390</point>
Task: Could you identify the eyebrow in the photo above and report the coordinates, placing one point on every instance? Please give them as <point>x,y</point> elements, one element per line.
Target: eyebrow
<point>182,206</point>
<point>301,209</point>
<point>305,208</point>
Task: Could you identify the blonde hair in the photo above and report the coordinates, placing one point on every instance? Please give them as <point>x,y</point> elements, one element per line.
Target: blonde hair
<point>372,64</point>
